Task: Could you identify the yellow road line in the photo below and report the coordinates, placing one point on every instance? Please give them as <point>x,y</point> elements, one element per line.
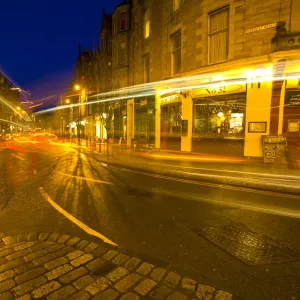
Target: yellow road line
<point>74,220</point>
<point>84,178</point>
<point>222,186</point>
<point>18,157</point>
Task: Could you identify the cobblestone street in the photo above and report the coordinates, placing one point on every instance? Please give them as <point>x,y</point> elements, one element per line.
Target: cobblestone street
<point>54,266</point>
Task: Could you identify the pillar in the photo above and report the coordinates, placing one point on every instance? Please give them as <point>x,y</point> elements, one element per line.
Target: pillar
<point>187,115</point>
<point>157,121</point>
<point>130,121</point>
<point>258,109</point>
<point>281,109</point>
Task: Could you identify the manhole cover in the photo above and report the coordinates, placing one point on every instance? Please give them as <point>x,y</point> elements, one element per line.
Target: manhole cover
<point>244,245</point>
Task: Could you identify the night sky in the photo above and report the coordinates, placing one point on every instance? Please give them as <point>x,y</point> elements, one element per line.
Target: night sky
<point>39,41</point>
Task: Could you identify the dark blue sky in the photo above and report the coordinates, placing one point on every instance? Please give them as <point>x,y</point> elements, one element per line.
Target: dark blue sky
<point>39,40</point>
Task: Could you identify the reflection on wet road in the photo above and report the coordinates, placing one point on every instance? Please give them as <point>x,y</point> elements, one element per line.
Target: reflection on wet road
<point>206,231</point>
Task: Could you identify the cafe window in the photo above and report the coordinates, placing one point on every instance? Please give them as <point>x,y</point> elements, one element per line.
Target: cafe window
<point>218,35</point>
<point>146,24</point>
<point>122,20</point>
<point>257,127</point>
<point>176,52</point>
<point>293,125</point>
<point>221,116</point>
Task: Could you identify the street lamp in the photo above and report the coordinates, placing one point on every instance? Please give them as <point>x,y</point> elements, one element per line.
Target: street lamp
<point>67,101</point>
<point>77,87</point>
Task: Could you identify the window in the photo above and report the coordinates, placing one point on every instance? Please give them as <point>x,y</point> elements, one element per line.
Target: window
<point>176,52</point>
<point>122,20</point>
<point>146,63</point>
<point>257,127</point>
<point>176,4</point>
<point>133,47</point>
<point>122,47</point>
<point>293,125</point>
<point>114,26</point>
<point>218,35</point>
<point>146,24</point>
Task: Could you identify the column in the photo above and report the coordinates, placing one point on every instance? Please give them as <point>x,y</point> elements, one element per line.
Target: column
<point>187,115</point>
<point>281,109</point>
<point>130,121</point>
<point>258,109</point>
<point>157,121</point>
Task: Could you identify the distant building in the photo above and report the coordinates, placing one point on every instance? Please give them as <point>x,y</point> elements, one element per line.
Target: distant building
<point>12,98</point>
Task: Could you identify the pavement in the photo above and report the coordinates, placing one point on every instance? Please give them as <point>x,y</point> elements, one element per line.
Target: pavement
<point>55,266</point>
<point>238,240</point>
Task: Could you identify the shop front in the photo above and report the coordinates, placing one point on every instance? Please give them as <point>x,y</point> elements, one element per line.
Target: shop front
<point>144,119</point>
<point>171,121</point>
<point>219,120</point>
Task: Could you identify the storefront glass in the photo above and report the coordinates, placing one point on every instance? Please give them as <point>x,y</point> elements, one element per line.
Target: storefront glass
<point>144,121</point>
<point>171,119</point>
<point>222,116</point>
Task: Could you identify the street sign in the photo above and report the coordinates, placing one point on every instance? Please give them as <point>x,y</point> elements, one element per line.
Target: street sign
<point>268,26</point>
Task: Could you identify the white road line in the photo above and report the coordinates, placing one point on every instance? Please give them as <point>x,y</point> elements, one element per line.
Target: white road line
<point>221,185</point>
<point>74,220</point>
<point>18,157</point>
<point>263,209</point>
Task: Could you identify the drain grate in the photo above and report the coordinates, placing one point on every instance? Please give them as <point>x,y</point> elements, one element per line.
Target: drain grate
<point>244,245</point>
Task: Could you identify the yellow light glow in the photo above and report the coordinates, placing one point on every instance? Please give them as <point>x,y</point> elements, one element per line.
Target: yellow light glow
<point>67,101</point>
<point>77,87</point>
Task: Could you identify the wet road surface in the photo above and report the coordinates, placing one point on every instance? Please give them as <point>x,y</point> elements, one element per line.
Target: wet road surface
<point>246,242</point>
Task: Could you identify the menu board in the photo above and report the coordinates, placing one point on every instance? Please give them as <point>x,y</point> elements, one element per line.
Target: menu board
<point>274,148</point>
<point>292,99</point>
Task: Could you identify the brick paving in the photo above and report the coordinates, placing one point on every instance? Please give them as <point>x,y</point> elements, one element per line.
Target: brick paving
<point>54,266</point>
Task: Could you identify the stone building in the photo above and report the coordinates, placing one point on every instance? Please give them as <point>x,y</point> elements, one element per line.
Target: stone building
<point>227,71</point>
<point>9,97</point>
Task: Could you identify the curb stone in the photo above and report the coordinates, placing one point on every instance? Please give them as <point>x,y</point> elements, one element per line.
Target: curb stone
<point>57,270</point>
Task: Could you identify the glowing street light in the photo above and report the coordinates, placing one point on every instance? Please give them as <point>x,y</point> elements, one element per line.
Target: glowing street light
<point>67,101</point>
<point>77,87</point>
<point>18,108</point>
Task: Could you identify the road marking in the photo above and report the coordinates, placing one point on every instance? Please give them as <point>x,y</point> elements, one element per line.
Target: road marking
<point>284,176</point>
<point>222,186</point>
<point>18,157</point>
<point>272,210</point>
<point>84,178</point>
<point>84,227</point>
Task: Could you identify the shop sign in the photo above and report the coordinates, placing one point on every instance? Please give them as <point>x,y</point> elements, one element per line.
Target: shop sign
<point>274,148</point>
<point>268,26</point>
<point>217,91</point>
<point>169,100</point>
<point>143,102</point>
<point>150,111</point>
<point>292,99</point>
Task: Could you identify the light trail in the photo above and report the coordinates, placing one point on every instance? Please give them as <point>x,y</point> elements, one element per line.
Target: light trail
<point>206,85</point>
<point>13,123</point>
<point>14,84</point>
<point>181,84</point>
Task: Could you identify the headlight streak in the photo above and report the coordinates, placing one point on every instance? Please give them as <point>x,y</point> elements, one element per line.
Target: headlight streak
<point>186,83</point>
